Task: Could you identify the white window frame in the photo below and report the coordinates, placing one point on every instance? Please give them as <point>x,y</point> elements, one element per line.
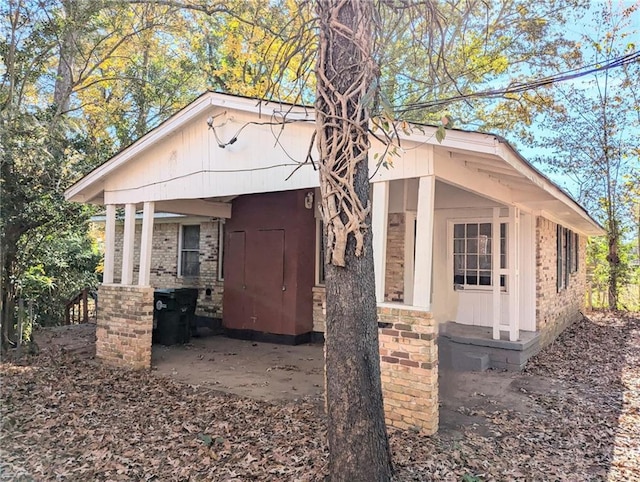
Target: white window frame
<point>450,254</point>
<point>221,223</point>
<point>180,249</point>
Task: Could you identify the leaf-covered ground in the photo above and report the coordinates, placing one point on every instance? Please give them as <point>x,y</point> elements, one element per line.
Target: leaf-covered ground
<point>65,418</point>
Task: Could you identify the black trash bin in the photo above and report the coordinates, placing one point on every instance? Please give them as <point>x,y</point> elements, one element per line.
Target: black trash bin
<point>171,323</point>
<point>187,299</point>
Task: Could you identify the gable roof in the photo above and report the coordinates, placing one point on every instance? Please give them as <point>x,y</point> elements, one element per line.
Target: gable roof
<point>472,153</point>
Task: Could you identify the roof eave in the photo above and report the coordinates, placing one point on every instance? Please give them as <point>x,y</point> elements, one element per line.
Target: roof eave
<point>185,115</point>
<point>518,162</point>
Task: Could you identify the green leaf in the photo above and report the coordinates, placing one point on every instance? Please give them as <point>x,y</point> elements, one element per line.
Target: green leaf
<point>386,106</point>
<point>471,478</point>
<point>206,439</point>
<point>440,134</point>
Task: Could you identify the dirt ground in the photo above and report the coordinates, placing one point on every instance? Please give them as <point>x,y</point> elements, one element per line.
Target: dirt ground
<point>273,372</point>
<point>264,371</point>
<point>573,414</point>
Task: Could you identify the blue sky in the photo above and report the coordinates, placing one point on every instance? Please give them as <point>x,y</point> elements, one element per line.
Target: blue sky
<point>577,31</point>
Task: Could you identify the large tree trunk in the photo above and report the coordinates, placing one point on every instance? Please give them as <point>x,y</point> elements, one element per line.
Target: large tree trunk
<point>357,436</point>
<point>358,445</point>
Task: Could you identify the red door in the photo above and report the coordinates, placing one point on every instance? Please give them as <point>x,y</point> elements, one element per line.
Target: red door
<point>254,281</point>
<point>265,280</point>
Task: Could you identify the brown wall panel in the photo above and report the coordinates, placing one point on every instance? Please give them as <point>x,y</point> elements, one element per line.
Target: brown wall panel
<point>277,266</point>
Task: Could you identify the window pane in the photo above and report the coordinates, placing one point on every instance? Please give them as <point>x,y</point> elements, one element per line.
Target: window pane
<point>458,264</point>
<point>503,281</point>
<point>485,262</point>
<point>190,237</point>
<point>484,244</point>
<point>472,261</point>
<point>190,263</point>
<point>472,249</point>
<point>503,261</point>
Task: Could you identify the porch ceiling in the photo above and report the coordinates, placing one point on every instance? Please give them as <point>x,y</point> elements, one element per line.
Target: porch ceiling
<point>494,177</point>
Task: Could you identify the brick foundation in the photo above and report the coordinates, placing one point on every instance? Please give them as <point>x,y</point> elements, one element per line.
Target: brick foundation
<point>408,363</point>
<point>125,323</point>
<point>409,368</point>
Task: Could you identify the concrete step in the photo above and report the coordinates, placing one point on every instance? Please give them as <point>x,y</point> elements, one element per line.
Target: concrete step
<point>470,362</point>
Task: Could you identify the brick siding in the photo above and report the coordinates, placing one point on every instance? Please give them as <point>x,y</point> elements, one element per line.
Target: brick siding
<point>319,308</point>
<point>408,364</point>
<point>164,263</point>
<point>394,276</point>
<point>556,310</point>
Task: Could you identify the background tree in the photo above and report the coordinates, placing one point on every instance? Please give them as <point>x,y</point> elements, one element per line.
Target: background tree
<point>83,79</point>
<point>478,45</point>
<point>591,137</point>
<point>53,54</point>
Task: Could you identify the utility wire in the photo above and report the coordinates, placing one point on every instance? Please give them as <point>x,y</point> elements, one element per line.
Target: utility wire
<point>524,86</point>
<point>493,93</point>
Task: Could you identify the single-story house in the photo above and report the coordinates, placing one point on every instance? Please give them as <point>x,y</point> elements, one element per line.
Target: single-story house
<point>470,240</point>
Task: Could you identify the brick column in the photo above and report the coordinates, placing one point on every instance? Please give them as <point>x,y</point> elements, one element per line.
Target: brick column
<point>409,368</point>
<point>125,323</point>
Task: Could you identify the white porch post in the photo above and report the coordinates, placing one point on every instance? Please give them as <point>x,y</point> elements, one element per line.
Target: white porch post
<point>128,243</point>
<point>379,222</point>
<point>146,244</point>
<point>424,243</point>
<point>513,265</point>
<point>495,273</point>
<point>110,243</point>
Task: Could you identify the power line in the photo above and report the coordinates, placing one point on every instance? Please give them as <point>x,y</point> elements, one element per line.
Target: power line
<point>524,86</point>
<point>206,171</point>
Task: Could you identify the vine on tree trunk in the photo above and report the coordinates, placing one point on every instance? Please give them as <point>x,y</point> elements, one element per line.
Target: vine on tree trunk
<point>342,122</point>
